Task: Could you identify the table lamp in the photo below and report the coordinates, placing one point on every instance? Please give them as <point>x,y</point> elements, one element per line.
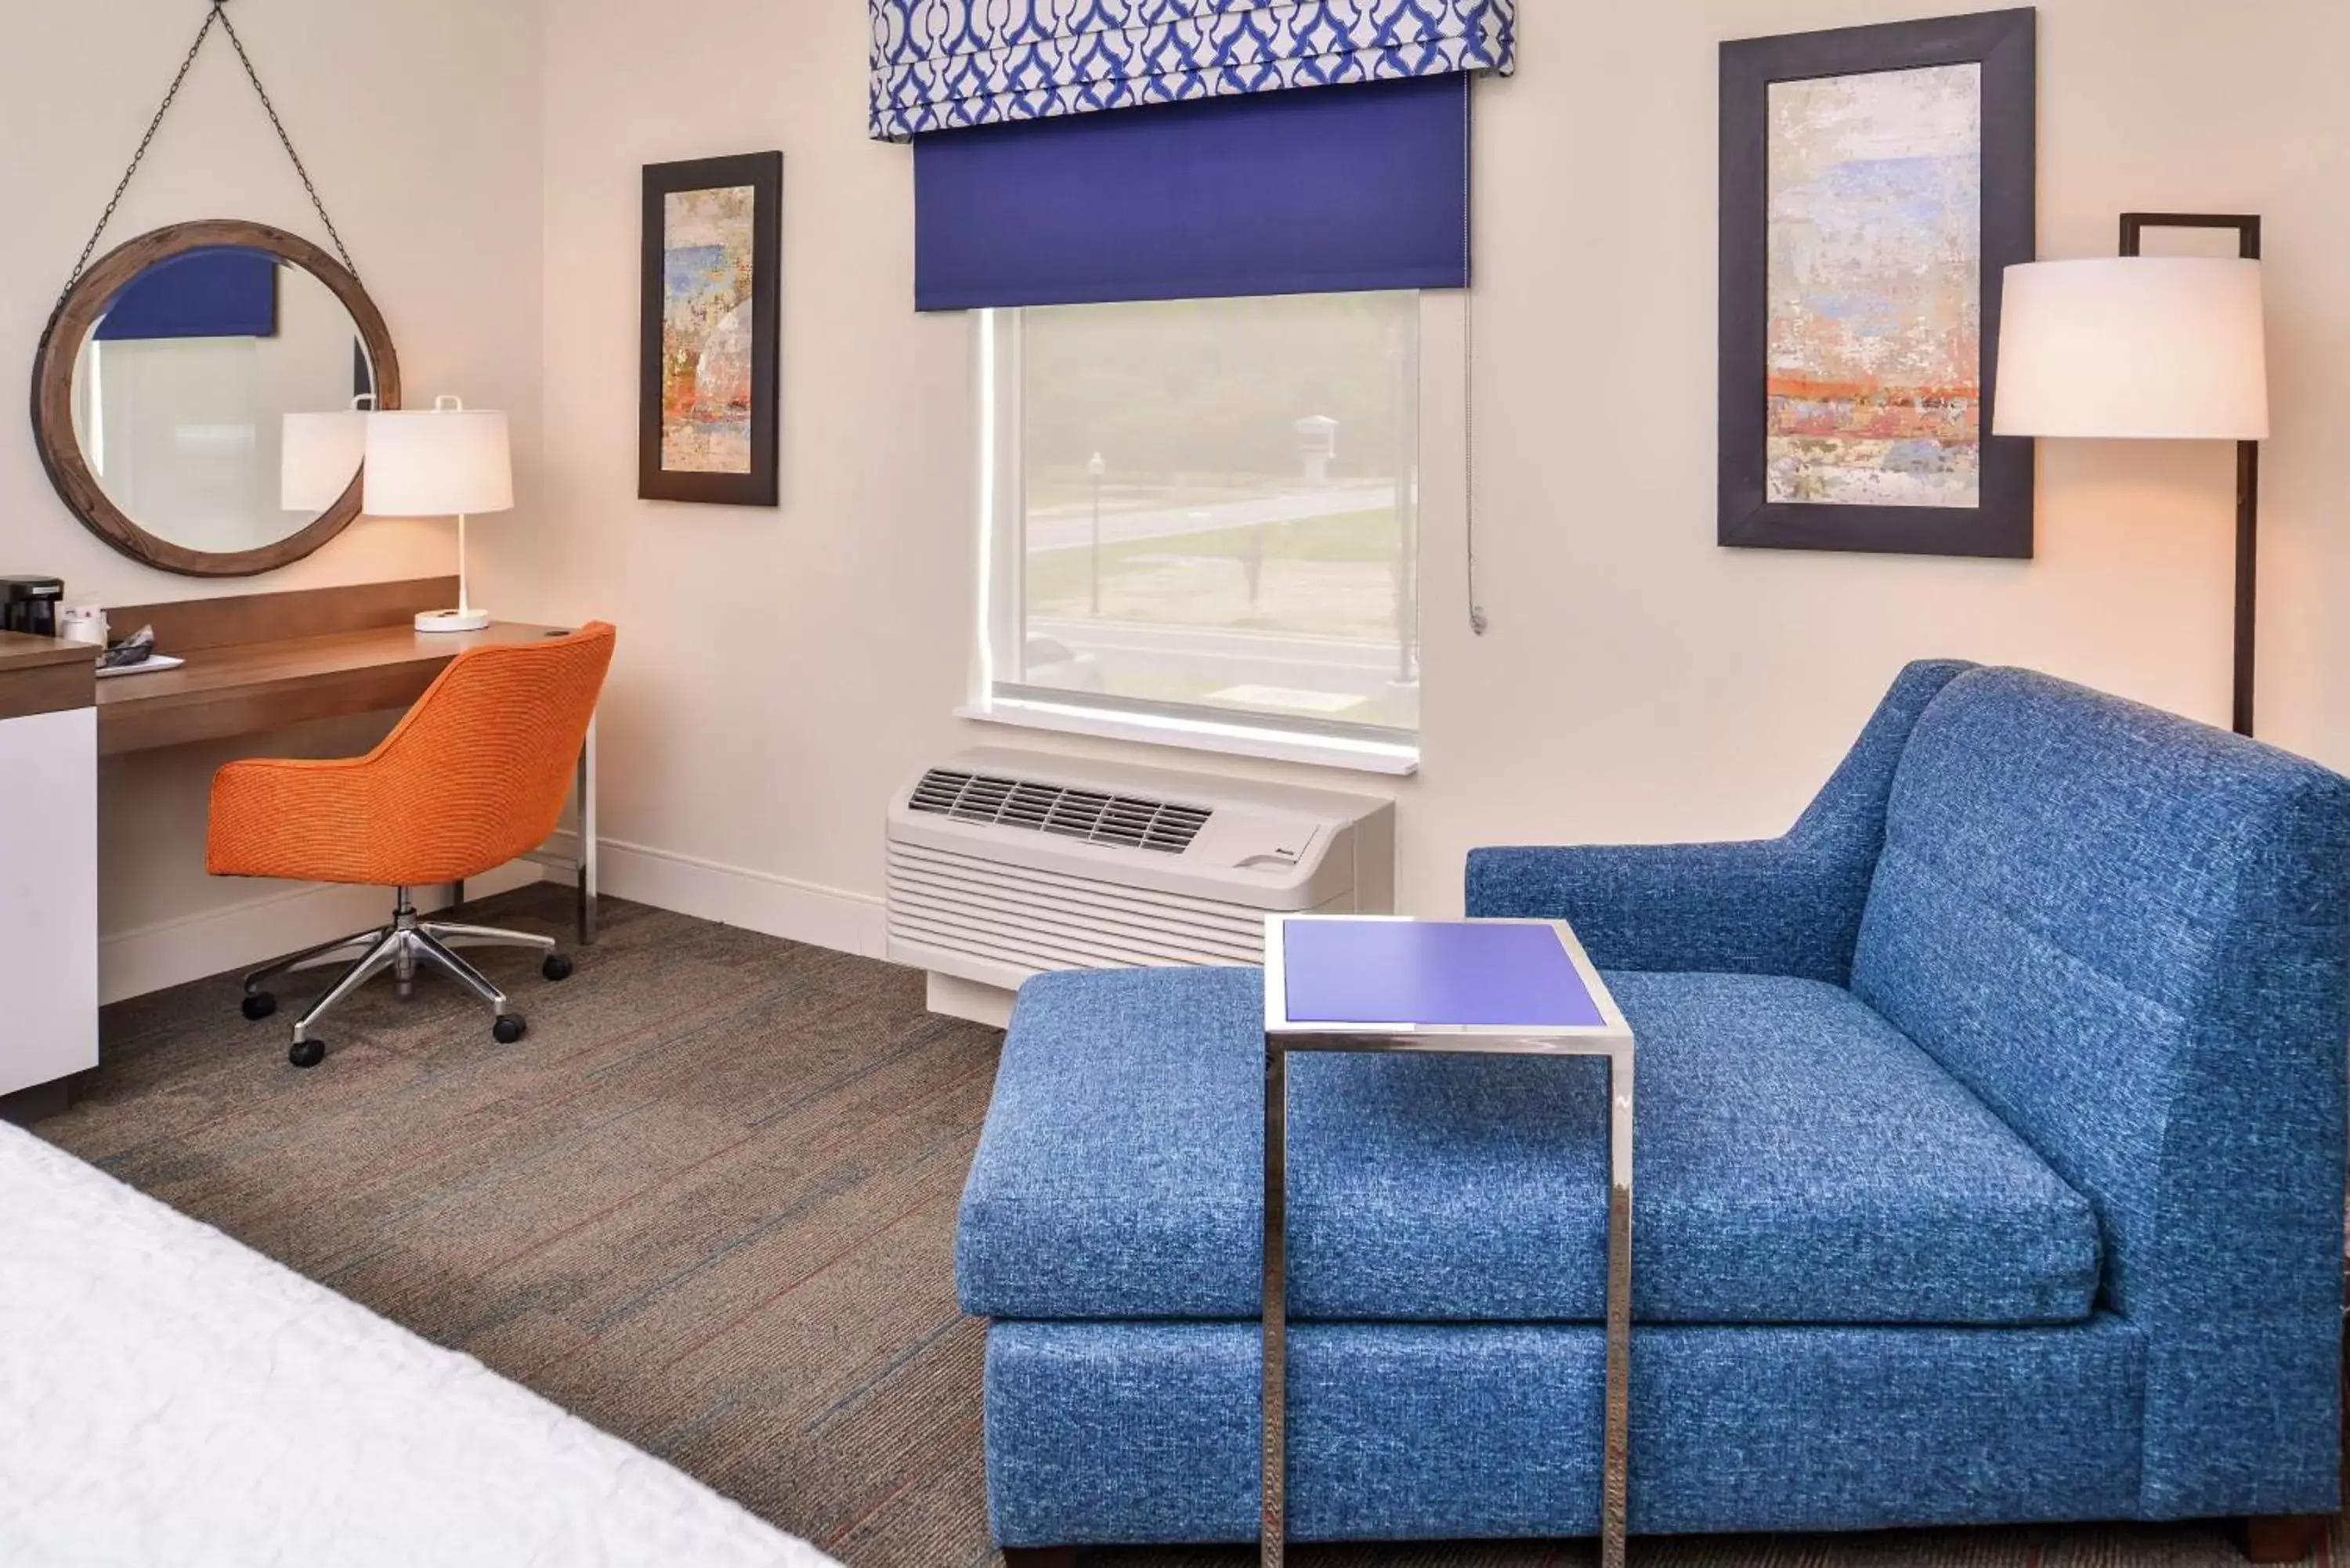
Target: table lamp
<point>2148,348</point>
<point>454,461</point>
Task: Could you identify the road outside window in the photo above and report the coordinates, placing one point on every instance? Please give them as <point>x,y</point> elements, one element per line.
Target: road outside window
<point>1207,508</point>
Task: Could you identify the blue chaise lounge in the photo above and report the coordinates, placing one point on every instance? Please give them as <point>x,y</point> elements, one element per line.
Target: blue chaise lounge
<point>1989,1169</point>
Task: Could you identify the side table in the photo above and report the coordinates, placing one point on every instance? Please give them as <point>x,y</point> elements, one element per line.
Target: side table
<point>1377,983</point>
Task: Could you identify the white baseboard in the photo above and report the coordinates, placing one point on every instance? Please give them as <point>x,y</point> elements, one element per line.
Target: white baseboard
<point>732,894</point>
<point>235,936</point>
<point>239,935</point>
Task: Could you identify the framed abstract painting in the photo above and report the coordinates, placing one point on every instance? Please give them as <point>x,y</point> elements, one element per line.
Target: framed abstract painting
<point>1875,184</point>
<point>706,400</point>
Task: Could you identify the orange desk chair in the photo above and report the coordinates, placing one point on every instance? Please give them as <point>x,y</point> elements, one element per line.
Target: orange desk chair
<point>473,776</point>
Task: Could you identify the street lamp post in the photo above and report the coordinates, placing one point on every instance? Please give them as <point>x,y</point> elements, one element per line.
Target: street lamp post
<point>1094,469</point>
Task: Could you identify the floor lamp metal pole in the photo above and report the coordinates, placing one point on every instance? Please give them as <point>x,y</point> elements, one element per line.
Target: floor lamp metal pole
<point>2248,575</point>
<point>2248,454</point>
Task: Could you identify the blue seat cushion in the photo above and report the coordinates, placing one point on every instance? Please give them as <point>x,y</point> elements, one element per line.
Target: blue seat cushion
<point>1796,1160</point>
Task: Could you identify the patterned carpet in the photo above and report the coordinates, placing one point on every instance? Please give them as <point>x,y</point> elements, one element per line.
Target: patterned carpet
<point>709,1204</point>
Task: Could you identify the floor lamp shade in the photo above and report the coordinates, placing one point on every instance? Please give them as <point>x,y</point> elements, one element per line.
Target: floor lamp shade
<point>319,457</point>
<point>450,463</point>
<point>2133,347</point>
<point>2139,347</point>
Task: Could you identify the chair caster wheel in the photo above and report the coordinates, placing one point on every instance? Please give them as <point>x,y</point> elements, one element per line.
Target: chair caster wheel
<point>556,967</point>
<point>307,1052</point>
<point>508,1028</point>
<point>259,1005</point>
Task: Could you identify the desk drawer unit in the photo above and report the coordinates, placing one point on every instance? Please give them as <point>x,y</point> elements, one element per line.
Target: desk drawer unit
<point>48,868</point>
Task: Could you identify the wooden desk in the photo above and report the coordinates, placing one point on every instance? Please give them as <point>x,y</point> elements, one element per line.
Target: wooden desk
<point>264,662</point>
<point>246,689</point>
<point>42,675</point>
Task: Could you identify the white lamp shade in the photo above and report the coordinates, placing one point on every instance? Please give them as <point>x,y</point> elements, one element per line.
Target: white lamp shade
<point>318,458</point>
<point>2134,347</point>
<point>449,462</point>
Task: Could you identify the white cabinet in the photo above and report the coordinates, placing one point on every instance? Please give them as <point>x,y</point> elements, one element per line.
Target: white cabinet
<point>48,896</point>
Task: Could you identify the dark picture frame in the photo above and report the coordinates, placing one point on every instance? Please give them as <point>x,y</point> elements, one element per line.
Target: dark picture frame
<point>2005,44</point>
<point>762,172</point>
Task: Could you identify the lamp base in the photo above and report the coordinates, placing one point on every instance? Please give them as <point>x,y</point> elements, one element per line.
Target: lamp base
<point>451,620</point>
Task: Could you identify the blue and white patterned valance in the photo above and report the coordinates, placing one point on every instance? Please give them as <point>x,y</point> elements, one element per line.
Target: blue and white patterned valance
<point>939,63</point>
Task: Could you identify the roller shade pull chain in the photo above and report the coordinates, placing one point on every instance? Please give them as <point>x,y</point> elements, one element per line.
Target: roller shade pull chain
<point>1477,622</point>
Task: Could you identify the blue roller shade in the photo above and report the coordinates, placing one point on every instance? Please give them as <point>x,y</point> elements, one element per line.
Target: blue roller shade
<point>1320,190</point>
<point>228,292</point>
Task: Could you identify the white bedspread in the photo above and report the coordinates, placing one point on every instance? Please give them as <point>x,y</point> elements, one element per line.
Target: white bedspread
<point>169,1396</point>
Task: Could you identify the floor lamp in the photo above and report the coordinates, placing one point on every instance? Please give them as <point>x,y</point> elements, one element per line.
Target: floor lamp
<point>2137,348</point>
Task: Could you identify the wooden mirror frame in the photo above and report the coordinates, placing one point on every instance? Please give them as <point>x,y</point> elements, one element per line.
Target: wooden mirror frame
<point>53,379</point>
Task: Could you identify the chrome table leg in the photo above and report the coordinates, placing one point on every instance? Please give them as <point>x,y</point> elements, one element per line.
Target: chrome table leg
<point>1616,1448</point>
<point>1272,1524</point>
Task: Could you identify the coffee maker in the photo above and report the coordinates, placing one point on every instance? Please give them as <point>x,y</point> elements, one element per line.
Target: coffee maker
<point>30,605</point>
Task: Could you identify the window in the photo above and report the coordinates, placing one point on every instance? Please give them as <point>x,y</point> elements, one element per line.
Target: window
<point>1202,516</point>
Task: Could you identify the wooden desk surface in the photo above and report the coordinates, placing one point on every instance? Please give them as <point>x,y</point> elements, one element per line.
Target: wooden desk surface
<point>44,675</point>
<point>242,689</point>
<point>18,651</point>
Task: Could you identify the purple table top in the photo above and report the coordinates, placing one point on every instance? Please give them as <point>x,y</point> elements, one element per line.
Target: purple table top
<point>1413,971</point>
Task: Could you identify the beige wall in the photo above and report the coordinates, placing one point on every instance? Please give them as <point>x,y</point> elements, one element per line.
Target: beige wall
<point>420,122</point>
<point>782,671</point>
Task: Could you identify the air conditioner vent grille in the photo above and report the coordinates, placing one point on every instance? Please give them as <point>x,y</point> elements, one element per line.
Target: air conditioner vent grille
<point>1125,822</point>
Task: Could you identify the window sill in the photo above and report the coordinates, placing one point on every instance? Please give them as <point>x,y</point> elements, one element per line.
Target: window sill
<point>1397,760</point>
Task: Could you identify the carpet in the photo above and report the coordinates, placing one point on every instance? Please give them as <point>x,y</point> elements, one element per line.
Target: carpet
<point>708,1203</point>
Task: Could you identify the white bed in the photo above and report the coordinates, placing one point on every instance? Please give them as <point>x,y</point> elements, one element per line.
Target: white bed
<point>169,1396</point>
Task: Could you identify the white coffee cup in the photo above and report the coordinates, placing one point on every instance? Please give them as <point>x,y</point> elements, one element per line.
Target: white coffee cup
<point>83,623</point>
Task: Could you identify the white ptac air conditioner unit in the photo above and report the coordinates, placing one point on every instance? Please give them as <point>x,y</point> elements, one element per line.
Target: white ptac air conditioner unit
<point>1005,863</point>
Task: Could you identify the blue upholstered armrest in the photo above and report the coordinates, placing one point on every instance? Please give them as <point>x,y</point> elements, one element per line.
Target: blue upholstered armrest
<point>1787,905</point>
<point>1767,908</point>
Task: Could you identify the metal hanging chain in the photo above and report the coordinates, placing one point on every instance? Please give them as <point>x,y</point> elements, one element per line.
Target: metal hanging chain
<point>213,12</point>
<point>81,263</point>
<point>283,139</point>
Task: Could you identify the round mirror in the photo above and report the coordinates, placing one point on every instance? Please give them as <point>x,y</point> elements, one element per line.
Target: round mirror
<point>163,386</point>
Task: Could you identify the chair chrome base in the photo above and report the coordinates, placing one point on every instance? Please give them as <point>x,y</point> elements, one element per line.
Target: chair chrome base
<point>409,941</point>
